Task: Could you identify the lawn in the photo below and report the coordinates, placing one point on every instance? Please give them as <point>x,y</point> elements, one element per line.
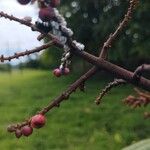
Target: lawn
<point>78,124</point>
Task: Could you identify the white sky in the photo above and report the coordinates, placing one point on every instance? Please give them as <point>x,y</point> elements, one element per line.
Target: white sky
<point>14,36</point>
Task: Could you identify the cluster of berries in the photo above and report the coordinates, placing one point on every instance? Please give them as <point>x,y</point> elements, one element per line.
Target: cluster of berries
<point>37,121</point>
<point>50,20</point>
<point>58,72</point>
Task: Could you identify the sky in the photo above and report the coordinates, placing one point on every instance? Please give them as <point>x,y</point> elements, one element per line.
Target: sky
<point>13,36</point>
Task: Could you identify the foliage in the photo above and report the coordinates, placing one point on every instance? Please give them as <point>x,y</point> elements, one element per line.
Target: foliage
<point>78,124</point>
<point>92,21</point>
<point>5,67</point>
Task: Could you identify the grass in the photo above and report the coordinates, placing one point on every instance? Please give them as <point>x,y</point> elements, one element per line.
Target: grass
<point>78,124</point>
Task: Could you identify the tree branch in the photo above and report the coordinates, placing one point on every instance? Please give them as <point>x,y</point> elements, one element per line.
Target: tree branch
<point>125,21</point>
<point>26,23</point>
<point>27,52</point>
<point>108,88</point>
<point>57,101</point>
<point>140,70</point>
<point>115,70</point>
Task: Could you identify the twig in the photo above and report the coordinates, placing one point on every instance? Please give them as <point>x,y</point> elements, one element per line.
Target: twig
<point>56,102</point>
<point>27,52</point>
<point>65,95</point>
<point>26,23</point>
<point>113,69</point>
<point>140,70</point>
<point>111,85</point>
<point>112,37</point>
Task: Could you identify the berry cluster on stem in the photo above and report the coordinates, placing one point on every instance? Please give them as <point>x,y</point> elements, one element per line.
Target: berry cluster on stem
<point>26,128</point>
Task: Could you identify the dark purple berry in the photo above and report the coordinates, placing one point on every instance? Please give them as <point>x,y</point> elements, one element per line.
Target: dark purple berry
<point>18,133</point>
<point>27,130</point>
<point>24,2</point>
<point>55,3</point>
<point>46,14</point>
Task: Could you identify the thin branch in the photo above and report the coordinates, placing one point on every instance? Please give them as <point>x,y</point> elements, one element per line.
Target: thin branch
<point>13,18</point>
<point>27,52</point>
<point>65,95</point>
<point>26,23</point>
<point>115,70</point>
<point>108,88</point>
<point>112,37</point>
<point>140,70</point>
<point>57,101</point>
<point>108,42</point>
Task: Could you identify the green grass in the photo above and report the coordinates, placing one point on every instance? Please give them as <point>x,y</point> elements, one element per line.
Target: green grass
<point>78,124</point>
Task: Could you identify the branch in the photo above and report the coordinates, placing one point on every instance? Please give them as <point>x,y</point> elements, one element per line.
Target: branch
<point>12,18</point>
<point>26,23</point>
<point>115,70</point>
<point>108,88</point>
<point>140,70</point>
<point>125,21</point>
<point>99,62</point>
<point>106,44</point>
<point>57,101</point>
<point>112,37</point>
<point>27,52</point>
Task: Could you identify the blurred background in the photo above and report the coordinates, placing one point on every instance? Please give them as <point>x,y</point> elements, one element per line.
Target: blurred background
<point>27,84</point>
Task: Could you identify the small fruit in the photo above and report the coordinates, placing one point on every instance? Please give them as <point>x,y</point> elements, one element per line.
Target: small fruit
<point>38,121</point>
<point>66,71</point>
<point>46,14</point>
<point>18,133</point>
<point>24,2</point>
<point>55,3</point>
<point>57,72</point>
<point>26,130</point>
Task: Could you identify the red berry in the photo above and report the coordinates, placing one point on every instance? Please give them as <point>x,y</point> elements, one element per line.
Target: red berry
<point>38,121</point>
<point>26,130</point>
<point>18,133</point>
<point>55,3</point>
<point>66,71</point>
<point>46,14</point>
<point>57,72</point>
<point>24,2</point>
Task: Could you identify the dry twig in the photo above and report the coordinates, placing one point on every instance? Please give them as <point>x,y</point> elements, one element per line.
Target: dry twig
<point>108,88</point>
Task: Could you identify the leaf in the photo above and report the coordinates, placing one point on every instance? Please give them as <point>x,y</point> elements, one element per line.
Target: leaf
<point>142,145</point>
